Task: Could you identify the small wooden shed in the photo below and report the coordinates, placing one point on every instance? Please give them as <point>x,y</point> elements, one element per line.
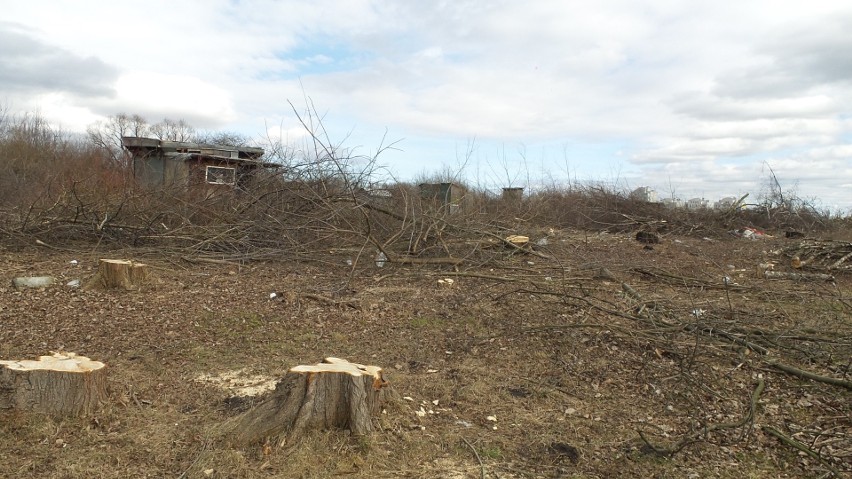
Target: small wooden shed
<point>192,165</point>
<point>513,194</point>
<point>449,196</point>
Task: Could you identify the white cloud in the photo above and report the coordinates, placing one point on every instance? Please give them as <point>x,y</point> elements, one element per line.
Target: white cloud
<point>161,95</point>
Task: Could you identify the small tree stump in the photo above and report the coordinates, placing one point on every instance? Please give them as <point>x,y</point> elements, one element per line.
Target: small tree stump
<point>119,274</point>
<point>332,394</point>
<point>62,385</point>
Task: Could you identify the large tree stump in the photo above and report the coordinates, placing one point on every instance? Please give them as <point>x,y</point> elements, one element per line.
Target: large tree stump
<point>332,394</point>
<point>62,385</point>
<point>119,274</point>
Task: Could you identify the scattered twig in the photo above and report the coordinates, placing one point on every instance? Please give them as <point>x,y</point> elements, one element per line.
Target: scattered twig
<point>475,453</point>
<point>704,432</point>
<point>197,458</point>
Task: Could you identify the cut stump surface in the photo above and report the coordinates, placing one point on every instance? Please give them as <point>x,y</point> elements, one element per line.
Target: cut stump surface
<point>119,274</point>
<point>334,394</point>
<point>63,384</point>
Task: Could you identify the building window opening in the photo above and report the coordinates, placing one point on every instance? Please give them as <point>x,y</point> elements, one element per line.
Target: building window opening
<point>218,175</point>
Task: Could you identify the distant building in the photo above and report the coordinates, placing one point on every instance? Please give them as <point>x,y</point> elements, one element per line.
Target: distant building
<point>192,165</point>
<point>646,194</point>
<point>697,203</point>
<point>726,203</point>
<point>673,202</point>
<point>513,194</point>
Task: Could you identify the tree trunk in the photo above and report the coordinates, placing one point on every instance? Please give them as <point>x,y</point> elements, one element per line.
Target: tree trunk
<point>119,273</point>
<point>332,394</point>
<point>61,385</point>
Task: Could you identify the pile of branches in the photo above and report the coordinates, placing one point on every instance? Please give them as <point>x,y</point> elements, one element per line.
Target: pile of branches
<point>823,255</point>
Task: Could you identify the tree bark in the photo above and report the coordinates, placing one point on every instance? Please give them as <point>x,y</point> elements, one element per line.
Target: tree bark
<point>63,384</point>
<point>119,274</point>
<point>334,394</point>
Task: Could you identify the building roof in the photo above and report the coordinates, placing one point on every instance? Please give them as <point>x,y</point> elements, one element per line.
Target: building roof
<point>187,151</point>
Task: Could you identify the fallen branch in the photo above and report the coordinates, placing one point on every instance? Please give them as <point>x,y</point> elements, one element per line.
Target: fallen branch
<point>801,447</point>
<point>196,259</point>
<point>409,260</point>
<point>797,276</point>
<point>351,303</point>
<point>676,280</point>
<point>704,432</point>
<point>729,336</point>
<point>809,375</point>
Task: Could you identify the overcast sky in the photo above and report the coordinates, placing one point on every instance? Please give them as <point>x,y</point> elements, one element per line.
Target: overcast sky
<point>687,96</point>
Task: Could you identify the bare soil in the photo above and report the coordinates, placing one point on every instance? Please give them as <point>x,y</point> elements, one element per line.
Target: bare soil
<point>605,359</point>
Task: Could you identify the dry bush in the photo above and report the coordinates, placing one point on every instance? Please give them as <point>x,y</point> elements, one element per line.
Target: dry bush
<point>60,189</point>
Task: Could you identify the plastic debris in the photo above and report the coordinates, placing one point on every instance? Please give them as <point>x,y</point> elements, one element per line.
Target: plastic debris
<point>273,295</point>
<point>33,282</point>
<point>749,233</point>
<point>381,259</point>
<point>74,283</point>
<point>542,242</point>
<point>74,262</point>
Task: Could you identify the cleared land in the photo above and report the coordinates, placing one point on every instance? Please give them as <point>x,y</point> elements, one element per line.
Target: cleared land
<point>604,359</point>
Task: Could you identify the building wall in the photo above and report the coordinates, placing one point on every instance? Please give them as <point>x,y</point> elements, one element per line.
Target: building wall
<point>512,194</point>
<point>448,196</point>
<point>149,170</point>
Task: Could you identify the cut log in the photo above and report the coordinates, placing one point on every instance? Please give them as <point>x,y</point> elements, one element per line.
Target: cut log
<point>334,394</point>
<point>63,384</point>
<point>517,240</point>
<point>119,274</point>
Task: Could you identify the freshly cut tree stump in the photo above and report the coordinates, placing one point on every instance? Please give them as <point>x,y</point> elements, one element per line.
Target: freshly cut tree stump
<point>61,385</point>
<point>332,394</point>
<point>119,274</point>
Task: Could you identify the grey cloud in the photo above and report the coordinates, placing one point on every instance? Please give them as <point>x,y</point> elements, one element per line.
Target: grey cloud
<point>795,62</point>
<point>29,65</point>
<point>749,107</point>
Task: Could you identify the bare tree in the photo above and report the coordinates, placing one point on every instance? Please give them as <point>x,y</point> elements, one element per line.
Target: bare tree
<point>171,130</point>
<point>226,138</point>
<point>107,135</point>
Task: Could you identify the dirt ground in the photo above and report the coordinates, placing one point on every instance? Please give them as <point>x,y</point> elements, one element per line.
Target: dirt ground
<point>596,358</point>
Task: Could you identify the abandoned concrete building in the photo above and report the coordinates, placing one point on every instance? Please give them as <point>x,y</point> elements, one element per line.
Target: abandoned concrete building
<point>192,165</point>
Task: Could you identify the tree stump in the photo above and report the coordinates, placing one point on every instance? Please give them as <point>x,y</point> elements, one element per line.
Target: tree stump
<point>63,384</point>
<point>334,394</point>
<point>119,274</point>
